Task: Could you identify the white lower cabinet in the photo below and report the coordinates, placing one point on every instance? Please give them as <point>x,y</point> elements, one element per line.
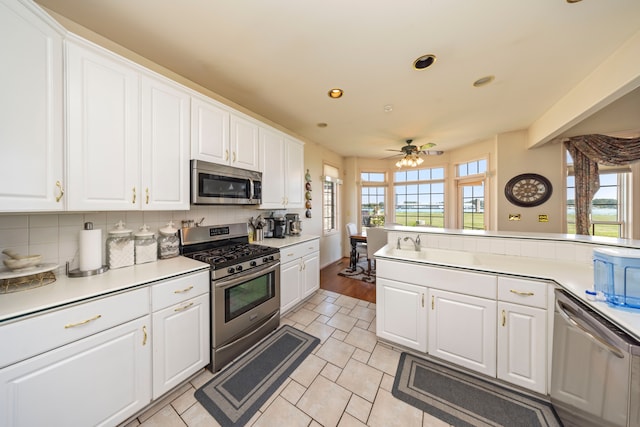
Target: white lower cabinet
<point>299,273</point>
<point>462,330</point>
<point>522,346</point>
<point>401,315</point>
<point>311,274</point>
<point>522,333</point>
<point>180,330</point>
<point>96,381</point>
<point>99,362</point>
<point>289,285</point>
<point>495,325</point>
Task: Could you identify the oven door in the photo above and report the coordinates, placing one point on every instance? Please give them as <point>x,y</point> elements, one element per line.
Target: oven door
<point>242,303</point>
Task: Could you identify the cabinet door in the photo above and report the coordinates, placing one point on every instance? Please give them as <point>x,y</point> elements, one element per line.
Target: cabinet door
<point>272,164</point>
<point>97,381</point>
<point>311,274</point>
<point>290,276</point>
<point>180,343</point>
<point>165,145</point>
<point>294,168</point>
<point>522,349</point>
<point>209,131</point>
<point>103,130</point>
<point>244,143</point>
<point>401,315</point>
<point>31,111</point>
<point>462,330</point>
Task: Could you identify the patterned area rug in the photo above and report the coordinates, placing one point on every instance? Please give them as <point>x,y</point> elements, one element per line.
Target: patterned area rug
<point>466,401</point>
<point>360,273</point>
<point>240,389</point>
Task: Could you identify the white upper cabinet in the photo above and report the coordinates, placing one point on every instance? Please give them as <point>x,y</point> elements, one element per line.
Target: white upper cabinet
<point>165,144</point>
<point>244,143</point>
<point>221,135</point>
<point>273,167</point>
<point>209,130</point>
<point>128,134</point>
<point>282,164</point>
<point>31,110</point>
<point>103,132</point>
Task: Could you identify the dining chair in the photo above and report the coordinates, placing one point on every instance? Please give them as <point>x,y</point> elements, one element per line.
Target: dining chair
<point>361,247</point>
<point>376,239</point>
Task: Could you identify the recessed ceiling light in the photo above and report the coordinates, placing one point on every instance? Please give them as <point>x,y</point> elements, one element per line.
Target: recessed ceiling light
<point>388,108</point>
<point>483,81</point>
<point>335,93</point>
<point>424,61</point>
<point>322,125</point>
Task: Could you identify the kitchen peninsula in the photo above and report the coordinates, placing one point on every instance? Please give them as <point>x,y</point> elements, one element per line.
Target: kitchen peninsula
<point>459,295</point>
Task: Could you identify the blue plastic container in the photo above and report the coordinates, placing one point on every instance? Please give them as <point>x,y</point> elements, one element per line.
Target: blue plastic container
<point>616,273</point>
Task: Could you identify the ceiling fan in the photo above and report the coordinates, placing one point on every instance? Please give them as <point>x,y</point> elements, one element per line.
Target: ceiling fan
<point>412,153</point>
<point>414,149</point>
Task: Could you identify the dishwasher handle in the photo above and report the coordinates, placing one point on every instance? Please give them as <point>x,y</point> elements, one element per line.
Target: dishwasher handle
<point>568,314</point>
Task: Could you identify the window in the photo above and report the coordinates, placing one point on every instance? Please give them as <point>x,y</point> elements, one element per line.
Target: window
<point>330,199</point>
<point>471,194</point>
<point>609,204</point>
<point>373,187</point>
<point>419,197</point>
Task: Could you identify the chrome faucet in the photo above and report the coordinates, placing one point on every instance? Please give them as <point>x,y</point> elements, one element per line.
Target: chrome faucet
<point>416,242</point>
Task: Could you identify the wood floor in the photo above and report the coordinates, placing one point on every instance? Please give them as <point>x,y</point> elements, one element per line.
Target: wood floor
<point>330,281</point>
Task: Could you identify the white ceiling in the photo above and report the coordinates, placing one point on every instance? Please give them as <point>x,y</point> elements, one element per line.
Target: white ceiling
<point>279,58</point>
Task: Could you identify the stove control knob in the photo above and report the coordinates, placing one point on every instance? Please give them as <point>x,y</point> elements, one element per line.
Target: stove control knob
<point>231,270</point>
<point>265,259</point>
<point>253,263</point>
<point>270,257</point>
<point>239,268</point>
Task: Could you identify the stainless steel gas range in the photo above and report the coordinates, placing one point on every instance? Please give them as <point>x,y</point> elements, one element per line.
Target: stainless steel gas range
<point>245,287</point>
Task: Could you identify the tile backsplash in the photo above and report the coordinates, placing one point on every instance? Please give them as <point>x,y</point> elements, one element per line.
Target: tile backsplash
<point>55,235</point>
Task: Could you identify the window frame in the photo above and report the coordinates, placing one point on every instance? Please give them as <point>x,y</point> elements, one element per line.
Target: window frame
<point>475,179</point>
<point>418,182</point>
<point>336,181</point>
<point>370,184</point>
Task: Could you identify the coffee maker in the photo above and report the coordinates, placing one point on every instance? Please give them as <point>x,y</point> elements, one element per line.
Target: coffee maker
<point>294,226</point>
<point>279,227</point>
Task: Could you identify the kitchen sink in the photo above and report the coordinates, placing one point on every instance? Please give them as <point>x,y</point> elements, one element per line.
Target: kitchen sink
<point>442,256</point>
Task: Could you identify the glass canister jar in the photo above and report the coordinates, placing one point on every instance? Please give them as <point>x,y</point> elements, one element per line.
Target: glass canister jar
<point>168,242</point>
<point>120,245</point>
<point>145,244</point>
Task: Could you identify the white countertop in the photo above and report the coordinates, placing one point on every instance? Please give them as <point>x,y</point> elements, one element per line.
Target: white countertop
<point>287,241</point>
<point>571,276</point>
<point>67,290</point>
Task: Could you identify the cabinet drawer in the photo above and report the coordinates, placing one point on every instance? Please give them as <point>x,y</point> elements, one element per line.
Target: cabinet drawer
<point>26,338</point>
<point>177,290</point>
<point>522,291</point>
<point>299,250</point>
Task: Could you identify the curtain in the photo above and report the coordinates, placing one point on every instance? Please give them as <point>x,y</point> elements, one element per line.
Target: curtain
<point>587,151</point>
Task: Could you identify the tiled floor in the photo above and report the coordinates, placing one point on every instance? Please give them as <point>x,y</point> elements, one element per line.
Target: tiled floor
<point>345,382</point>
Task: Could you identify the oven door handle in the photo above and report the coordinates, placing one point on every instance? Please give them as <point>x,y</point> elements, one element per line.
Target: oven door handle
<point>568,315</point>
<point>243,277</point>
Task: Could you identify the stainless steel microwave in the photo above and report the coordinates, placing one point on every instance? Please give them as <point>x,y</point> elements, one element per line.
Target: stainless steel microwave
<point>213,184</point>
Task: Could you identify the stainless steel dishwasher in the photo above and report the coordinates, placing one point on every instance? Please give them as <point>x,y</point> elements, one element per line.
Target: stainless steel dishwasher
<point>595,379</point>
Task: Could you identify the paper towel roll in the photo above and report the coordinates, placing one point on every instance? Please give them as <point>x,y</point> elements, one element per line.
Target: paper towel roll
<point>90,250</point>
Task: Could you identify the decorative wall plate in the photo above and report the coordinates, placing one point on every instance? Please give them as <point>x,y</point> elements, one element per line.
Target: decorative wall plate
<point>528,190</point>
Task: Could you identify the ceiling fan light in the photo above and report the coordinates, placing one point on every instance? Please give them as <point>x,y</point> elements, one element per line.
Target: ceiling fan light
<point>420,160</point>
